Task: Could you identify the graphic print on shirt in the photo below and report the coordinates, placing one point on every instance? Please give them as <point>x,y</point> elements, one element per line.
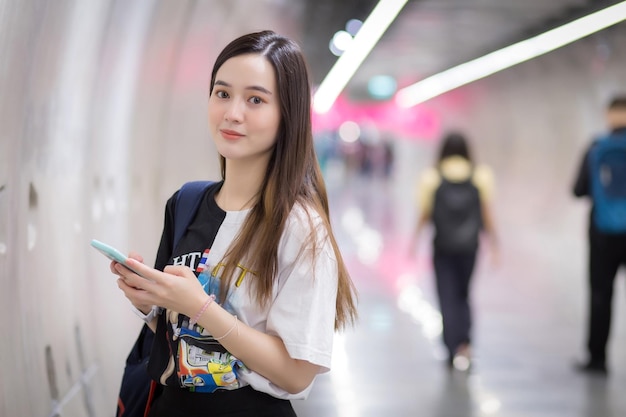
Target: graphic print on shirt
<point>203,364</point>
<point>202,264</point>
<point>188,259</point>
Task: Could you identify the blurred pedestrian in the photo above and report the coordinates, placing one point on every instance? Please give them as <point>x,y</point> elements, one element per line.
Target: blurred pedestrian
<point>454,196</point>
<point>602,178</point>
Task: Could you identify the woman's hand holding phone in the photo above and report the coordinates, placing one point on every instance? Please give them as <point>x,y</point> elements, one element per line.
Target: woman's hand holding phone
<point>176,287</point>
<point>123,270</point>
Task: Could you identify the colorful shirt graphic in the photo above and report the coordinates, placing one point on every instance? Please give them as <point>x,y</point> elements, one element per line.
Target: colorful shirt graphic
<point>301,311</point>
<point>204,365</point>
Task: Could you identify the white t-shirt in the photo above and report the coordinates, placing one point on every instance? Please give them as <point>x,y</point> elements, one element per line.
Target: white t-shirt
<point>302,312</point>
<point>303,303</point>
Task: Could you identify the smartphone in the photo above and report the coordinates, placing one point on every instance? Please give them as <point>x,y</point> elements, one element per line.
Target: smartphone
<point>111,253</point>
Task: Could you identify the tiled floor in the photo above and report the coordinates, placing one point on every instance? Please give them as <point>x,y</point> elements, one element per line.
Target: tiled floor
<point>529,319</point>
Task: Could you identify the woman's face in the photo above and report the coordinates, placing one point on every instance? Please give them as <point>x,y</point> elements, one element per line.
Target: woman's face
<point>244,109</point>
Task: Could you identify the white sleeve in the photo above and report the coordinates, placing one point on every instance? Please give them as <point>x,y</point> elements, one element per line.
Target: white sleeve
<point>154,311</point>
<point>303,312</point>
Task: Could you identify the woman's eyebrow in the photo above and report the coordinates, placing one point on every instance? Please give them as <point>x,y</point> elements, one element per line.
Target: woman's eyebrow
<point>259,88</point>
<point>252,87</point>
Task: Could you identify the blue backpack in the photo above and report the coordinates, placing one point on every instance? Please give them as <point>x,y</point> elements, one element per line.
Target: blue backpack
<point>138,390</point>
<point>607,173</point>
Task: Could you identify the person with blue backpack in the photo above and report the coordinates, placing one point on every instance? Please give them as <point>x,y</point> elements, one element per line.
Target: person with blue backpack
<point>455,198</point>
<point>244,301</point>
<point>602,178</point>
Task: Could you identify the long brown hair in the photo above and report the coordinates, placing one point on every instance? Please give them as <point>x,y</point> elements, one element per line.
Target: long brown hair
<point>293,176</point>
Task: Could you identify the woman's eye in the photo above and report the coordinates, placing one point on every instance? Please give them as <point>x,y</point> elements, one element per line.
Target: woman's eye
<point>256,100</point>
<point>221,94</point>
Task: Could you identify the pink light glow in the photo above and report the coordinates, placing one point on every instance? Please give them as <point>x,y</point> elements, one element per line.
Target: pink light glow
<point>416,123</point>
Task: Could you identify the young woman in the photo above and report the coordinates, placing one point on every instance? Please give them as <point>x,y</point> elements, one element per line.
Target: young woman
<point>455,197</point>
<point>250,298</point>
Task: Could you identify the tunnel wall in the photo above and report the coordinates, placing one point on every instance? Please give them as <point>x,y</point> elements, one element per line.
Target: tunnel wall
<point>102,111</point>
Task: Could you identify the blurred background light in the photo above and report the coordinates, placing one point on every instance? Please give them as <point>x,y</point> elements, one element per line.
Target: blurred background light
<point>367,37</point>
<point>341,41</point>
<point>353,26</point>
<point>501,59</point>
<point>381,87</point>
<point>349,132</point>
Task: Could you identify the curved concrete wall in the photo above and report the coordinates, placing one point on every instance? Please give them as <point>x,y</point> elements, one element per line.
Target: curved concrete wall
<point>102,115</point>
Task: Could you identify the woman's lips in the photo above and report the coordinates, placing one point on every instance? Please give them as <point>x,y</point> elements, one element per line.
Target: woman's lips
<point>230,134</point>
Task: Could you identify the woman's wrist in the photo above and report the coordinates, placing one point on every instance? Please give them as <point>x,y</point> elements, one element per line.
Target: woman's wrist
<point>206,303</point>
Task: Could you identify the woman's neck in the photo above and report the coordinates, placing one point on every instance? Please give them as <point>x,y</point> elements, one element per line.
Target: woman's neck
<point>240,189</point>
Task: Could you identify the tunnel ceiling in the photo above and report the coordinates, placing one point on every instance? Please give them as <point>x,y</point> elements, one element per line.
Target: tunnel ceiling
<point>432,35</point>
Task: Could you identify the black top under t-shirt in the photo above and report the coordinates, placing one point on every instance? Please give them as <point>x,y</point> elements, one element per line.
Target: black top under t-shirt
<point>198,238</point>
<point>200,233</point>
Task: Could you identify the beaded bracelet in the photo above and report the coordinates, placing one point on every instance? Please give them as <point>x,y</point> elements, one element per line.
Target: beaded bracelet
<point>236,325</point>
<point>202,310</point>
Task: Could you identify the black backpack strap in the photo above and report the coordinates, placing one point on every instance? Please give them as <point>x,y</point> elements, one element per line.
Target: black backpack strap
<point>138,389</point>
<point>187,202</point>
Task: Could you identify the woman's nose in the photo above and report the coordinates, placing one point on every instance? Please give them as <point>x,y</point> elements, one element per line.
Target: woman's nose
<point>234,112</point>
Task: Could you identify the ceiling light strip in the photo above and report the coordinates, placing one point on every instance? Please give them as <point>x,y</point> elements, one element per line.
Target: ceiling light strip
<point>344,68</point>
<point>511,55</point>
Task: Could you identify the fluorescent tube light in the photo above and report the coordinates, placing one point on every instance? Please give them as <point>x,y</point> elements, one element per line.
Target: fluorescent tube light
<point>511,55</point>
<point>368,35</point>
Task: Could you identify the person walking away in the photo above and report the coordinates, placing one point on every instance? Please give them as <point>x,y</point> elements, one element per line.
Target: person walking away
<point>454,197</point>
<point>602,178</point>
